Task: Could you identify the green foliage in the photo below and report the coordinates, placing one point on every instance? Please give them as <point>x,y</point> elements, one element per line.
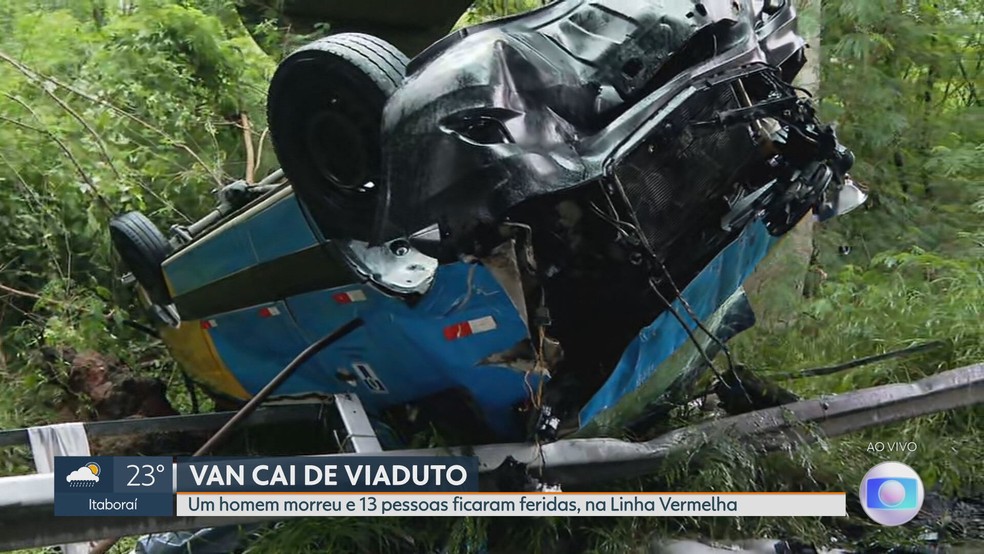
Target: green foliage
<point>171,44</point>
<point>901,80</point>
<point>484,10</point>
<point>899,300</point>
<point>105,109</point>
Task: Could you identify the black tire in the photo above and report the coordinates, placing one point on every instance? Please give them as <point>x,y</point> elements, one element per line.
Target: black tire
<point>143,248</point>
<point>324,109</point>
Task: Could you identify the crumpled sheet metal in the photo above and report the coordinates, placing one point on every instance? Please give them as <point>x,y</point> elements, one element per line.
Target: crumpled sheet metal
<point>503,112</point>
<point>674,377</point>
<point>656,343</point>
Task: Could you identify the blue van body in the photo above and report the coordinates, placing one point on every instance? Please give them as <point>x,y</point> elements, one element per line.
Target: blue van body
<point>408,351</point>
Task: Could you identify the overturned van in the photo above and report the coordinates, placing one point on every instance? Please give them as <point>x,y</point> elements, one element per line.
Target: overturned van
<point>538,218</point>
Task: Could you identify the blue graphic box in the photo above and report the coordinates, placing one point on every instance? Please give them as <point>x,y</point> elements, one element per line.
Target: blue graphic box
<point>908,501</point>
<point>114,486</point>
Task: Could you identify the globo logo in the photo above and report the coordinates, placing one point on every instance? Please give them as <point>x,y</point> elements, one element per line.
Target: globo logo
<point>891,493</point>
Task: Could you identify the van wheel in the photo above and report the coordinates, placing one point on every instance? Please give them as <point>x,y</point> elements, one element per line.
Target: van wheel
<point>143,248</point>
<point>325,108</point>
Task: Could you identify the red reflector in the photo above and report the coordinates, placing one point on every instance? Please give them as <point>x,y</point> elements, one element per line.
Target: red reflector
<point>350,296</point>
<point>209,323</point>
<point>470,327</point>
<point>269,312</point>
<point>457,331</point>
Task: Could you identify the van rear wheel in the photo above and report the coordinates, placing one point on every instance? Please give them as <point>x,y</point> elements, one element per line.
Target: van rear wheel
<point>143,248</point>
<point>325,108</point>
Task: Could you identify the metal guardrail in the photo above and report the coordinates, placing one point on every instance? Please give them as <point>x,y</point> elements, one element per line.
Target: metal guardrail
<point>272,414</point>
<point>26,502</point>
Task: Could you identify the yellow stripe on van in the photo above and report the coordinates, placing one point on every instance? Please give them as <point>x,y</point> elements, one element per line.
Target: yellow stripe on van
<point>167,282</point>
<point>193,348</point>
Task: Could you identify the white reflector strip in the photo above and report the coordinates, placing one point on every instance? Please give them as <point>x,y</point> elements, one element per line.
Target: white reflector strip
<point>482,324</point>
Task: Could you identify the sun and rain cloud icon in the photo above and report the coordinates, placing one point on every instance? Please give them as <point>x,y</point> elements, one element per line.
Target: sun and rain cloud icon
<point>85,476</point>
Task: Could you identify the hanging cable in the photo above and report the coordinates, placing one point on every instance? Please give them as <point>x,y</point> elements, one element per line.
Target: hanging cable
<point>830,370</point>
<point>634,227</point>
<point>693,315</point>
<point>686,328</point>
<point>717,340</point>
<point>621,226</point>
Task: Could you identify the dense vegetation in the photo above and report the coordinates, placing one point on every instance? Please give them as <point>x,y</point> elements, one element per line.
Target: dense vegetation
<point>107,106</point>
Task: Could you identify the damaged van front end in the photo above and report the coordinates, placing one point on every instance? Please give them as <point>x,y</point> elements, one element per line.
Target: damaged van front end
<point>637,158</point>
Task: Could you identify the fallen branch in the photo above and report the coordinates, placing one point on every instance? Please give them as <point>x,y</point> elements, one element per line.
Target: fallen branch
<point>32,296</point>
<point>828,370</point>
<point>16,292</point>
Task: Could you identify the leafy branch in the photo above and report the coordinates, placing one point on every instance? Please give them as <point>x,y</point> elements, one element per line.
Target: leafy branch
<point>40,80</point>
<point>64,148</point>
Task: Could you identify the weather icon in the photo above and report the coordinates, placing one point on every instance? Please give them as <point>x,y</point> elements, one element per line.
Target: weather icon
<point>85,476</point>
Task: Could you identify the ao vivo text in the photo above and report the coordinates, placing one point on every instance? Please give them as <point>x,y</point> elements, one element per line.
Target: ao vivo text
<point>892,447</point>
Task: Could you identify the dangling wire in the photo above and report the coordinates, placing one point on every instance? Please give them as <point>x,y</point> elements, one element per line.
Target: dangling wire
<point>717,340</point>
<point>625,228</point>
<point>621,226</point>
<point>686,328</point>
<point>539,364</point>
<point>693,315</point>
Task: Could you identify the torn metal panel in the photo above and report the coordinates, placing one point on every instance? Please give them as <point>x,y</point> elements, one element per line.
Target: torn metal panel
<point>708,293</point>
<point>524,358</point>
<point>503,264</point>
<point>668,383</point>
<point>498,113</point>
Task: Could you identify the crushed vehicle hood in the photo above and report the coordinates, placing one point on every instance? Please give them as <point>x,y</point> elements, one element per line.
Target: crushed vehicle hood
<point>495,115</point>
